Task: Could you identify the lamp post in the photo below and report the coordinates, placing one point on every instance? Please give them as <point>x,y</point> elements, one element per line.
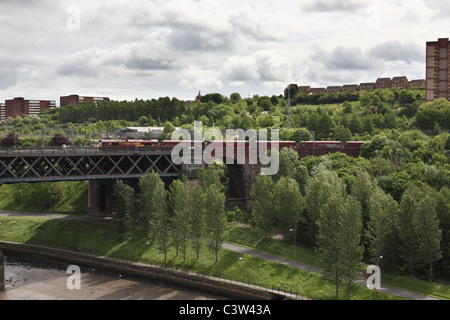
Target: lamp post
<point>293,230</point>
<point>50,207</point>
<point>380,257</point>
<point>242,269</point>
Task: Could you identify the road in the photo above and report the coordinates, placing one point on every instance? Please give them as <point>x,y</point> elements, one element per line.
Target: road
<point>248,251</point>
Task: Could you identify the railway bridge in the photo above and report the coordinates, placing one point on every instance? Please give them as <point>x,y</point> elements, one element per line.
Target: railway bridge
<point>101,168</point>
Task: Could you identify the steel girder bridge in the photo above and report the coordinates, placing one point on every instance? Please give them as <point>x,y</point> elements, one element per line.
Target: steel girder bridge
<point>75,164</point>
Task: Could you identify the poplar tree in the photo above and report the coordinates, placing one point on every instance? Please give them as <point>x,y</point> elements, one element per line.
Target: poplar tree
<point>382,229</point>
<point>197,217</point>
<point>263,208</point>
<point>429,234</point>
<point>161,221</point>
<point>288,203</point>
<point>216,218</point>
<point>322,185</point>
<point>351,229</point>
<point>124,204</point>
<point>179,204</point>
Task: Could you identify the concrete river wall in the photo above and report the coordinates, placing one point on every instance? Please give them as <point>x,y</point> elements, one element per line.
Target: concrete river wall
<point>227,288</point>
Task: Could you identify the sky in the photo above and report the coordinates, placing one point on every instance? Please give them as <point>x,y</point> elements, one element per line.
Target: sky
<point>144,49</point>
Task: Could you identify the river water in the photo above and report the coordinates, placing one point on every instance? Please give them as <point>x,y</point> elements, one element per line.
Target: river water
<point>32,278</point>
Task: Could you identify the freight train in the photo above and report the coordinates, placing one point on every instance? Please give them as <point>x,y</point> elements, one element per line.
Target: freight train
<point>169,144</point>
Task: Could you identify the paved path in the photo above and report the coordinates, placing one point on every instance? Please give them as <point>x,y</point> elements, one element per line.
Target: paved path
<point>244,250</point>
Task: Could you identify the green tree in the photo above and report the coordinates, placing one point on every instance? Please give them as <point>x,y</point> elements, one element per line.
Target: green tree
<point>262,210</point>
<point>321,186</point>
<point>198,203</point>
<point>124,205</point>
<point>161,219</point>
<point>216,218</point>
<point>146,214</point>
<point>382,229</point>
<point>429,234</point>
<point>288,204</point>
<point>351,229</point>
<point>179,204</point>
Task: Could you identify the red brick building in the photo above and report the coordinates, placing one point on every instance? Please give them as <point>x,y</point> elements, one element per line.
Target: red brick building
<point>367,86</point>
<point>438,69</point>
<point>66,100</point>
<point>304,89</point>
<point>21,107</point>
<point>350,87</point>
<point>332,89</point>
<point>383,83</point>
<point>417,83</point>
<point>400,82</point>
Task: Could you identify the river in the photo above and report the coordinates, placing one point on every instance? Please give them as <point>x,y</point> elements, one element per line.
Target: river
<point>33,278</point>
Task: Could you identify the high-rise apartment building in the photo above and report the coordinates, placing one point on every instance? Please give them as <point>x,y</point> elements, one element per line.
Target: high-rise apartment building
<point>438,70</point>
<point>21,107</point>
<point>66,100</point>
<point>2,112</point>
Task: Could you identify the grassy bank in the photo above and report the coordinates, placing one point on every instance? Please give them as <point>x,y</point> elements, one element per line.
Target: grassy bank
<point>101,239</point>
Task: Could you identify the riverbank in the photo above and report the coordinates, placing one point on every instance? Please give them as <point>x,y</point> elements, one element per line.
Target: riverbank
<point>238,263</point>
<point>39,278</point>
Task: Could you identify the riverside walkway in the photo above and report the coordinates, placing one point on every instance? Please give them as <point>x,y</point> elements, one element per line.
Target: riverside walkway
<point>249,251</point>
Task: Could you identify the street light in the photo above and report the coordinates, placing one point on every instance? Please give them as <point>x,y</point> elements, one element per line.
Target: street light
<point>380,257</point>
<point>293,230</point>
<point>242,269</point>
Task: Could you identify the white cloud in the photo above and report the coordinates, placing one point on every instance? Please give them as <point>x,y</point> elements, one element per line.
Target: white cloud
<point>176,47</point>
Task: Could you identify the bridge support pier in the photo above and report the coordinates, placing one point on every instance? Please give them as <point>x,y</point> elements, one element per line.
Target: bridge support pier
<point>100,197</point>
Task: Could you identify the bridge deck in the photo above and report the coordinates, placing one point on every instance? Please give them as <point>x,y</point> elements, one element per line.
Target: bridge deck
<point>59,164</point>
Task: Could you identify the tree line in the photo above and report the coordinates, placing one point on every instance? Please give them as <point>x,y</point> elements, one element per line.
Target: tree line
<point>186,215</point>
<point>337,206</point>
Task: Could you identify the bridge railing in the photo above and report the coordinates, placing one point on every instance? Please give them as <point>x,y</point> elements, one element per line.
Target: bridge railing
<point>72,151</point>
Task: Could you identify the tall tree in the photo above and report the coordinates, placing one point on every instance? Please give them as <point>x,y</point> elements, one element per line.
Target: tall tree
<point>322,185</point>
<point>328,237</point>
<point>179,204</point>
<point>429,234</point>
<point>161,219</point>
<point>408,232</point>
<point>124,205</point>
<point>339,239</point>
<point>288,204</point>
<point>197,216</point>
<point>147,185</point>
<point>350,242</point>
<point>263,210</point>
<point>382,229</point>
<point>216,218</point>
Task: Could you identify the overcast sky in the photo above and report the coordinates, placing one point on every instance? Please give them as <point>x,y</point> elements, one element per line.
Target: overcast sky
<point>144,49</point>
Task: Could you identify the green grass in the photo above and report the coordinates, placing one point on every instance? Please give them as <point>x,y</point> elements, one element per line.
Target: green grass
<point>101,239</point>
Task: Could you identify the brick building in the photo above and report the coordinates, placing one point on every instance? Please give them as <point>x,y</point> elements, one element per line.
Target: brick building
<point>383,83</point>
<point>350,87</point>
<point>332,89</point>
<point>66,100</point>
<point>2,112</point>
<point>400,82</point>
<point>304,89</point>
<point>367,86</point>
<point>21,107</point>
<point>438,69</point>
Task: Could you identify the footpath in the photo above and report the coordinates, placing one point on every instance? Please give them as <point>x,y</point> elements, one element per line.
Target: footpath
<point>245,250</point>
